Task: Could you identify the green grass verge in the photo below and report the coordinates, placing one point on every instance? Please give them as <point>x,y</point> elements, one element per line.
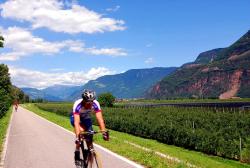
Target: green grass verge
<point>4,122</point>
<point>127,145</point>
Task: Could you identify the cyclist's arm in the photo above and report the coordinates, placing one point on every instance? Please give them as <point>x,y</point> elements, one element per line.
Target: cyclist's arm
<point>100,121</point>
<point>98,114</point>
<point>77,124</point>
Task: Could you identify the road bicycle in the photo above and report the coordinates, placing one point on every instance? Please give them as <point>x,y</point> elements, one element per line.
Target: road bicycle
<point>89,158</point>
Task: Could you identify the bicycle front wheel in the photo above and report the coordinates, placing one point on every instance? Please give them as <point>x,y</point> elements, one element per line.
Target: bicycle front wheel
<point>94,160</point>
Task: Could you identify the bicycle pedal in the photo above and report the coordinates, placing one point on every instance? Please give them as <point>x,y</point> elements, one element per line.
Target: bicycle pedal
<point>78,163</point>
<point>91,150</point>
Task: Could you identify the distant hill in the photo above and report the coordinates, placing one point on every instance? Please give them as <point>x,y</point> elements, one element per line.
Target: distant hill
<point>130,84</point>
<point>33,93</point>
<point>63,92</point>
<point>219,73</point>
<point>53,93</point>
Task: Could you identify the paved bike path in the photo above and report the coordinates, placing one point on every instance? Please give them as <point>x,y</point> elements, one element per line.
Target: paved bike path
<point>36,143</point>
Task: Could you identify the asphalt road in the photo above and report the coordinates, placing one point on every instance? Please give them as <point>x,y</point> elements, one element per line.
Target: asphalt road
<point>34,142</point>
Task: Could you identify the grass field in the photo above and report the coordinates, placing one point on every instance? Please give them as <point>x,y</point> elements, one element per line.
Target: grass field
<point>149,153</point>
<point>4,122</point>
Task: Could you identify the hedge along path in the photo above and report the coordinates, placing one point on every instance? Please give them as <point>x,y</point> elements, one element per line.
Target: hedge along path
<point>199,129</point>
<point>168,157</point>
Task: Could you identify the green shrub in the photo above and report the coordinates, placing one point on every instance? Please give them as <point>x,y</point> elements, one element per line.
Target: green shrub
<point>246,152</point>
<point>106,99</point>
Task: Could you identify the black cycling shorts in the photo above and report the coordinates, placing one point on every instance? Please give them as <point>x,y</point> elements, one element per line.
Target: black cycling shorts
<point>85,123</point>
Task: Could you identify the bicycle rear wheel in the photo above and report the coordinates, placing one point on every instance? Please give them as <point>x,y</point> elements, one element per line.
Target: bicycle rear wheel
<point>94,160</point>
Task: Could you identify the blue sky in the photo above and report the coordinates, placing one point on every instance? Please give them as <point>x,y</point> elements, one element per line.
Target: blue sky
<point>71,42</point>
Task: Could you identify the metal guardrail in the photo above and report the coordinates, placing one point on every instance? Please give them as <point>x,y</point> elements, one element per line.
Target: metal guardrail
<point>245,108</point>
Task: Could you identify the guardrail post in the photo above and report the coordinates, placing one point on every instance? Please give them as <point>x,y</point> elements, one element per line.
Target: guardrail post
<point>240,149</point>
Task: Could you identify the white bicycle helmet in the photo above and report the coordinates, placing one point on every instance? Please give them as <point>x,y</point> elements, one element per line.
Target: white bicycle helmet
<point>88,95</point>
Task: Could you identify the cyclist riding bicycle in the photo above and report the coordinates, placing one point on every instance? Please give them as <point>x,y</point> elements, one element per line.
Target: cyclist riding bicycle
<point>81,118</point>
<point>15,105</point>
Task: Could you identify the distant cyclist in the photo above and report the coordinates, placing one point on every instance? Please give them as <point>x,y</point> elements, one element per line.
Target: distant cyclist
<point>15,105</point>
<point>81,118</point>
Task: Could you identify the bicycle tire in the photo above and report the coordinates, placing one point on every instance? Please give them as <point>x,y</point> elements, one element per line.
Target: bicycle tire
<point>94,160</point>
<point>85,155</point>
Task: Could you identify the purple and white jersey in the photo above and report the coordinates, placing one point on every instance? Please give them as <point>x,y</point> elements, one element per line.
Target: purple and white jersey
<point>78,108</point>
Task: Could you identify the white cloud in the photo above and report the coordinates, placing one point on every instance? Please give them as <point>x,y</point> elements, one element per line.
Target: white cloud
<point>149,60</point>
<point>53,15</point>
<point>22,40</point>
<point>23,43</point>
<point>11,56</point>
<point>116,8</point>
<point>106,51</point>
<point>75,46</point>
<point>37,79</point>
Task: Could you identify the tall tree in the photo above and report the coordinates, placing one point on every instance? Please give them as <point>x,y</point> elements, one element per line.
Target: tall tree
<point>5,89</point>
<point>1,41</point>
<point>18,95</point>
<point>106,99</point>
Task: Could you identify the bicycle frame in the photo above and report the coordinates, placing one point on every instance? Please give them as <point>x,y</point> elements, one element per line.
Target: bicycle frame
<point>89,155</point>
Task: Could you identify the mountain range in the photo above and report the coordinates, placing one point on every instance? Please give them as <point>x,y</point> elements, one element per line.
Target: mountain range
<point>220,73</point>
<point>52,93</point>
<point>130,84</point>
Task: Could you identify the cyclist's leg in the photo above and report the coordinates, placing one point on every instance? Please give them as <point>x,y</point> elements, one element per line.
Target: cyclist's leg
<point>77,157</point>
<point>81,128</point>
<point>87,123</point>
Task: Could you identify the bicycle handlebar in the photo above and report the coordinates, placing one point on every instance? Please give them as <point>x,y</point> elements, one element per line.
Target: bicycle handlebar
<point>91,132</point>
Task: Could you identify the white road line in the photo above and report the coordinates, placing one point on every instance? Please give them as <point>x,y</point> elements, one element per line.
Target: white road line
<point>6,141</point>
<point>120,157</point>
<point>161,154</point>
<point>106,150</point>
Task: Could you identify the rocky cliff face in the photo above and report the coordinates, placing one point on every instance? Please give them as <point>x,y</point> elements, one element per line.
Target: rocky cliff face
<point>234,83</point>
<point>219,73</point>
